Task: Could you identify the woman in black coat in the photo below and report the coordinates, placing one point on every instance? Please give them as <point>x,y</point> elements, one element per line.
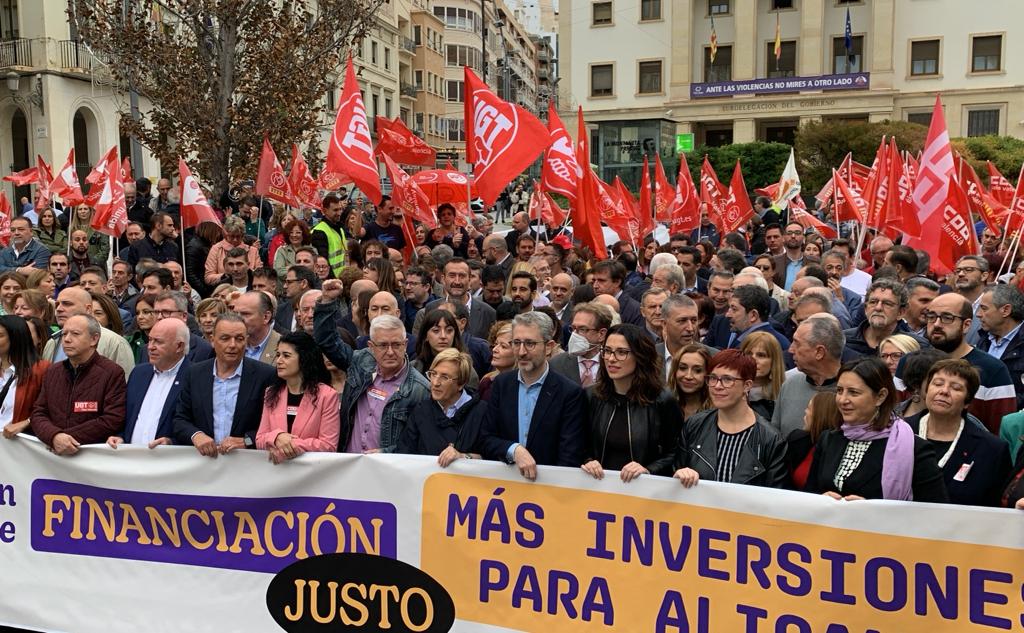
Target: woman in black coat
<point>634,421</point>
<point>975,464</point>
<point>856,460</point>
<point>448,424</point>
<point>196,252</point>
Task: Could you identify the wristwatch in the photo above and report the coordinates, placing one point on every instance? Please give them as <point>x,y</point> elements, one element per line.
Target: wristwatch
<point>248,441</point>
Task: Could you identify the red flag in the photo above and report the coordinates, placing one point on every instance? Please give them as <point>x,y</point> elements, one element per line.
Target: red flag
<point>738,209</point>
<point>448,165</point>
<point>304,186</point>
<point>194,206</point>
<point>854,173</point>
<point>560,172</point>
<point>685,207</point>
<point>876,190</point>
<point>713,194</point>
<point>902,215</point>
<point>629,205</point>
<point>544,207</point>
<point>645,210</point>
<point>585,213</point>
<point>350,152</point>
<point>111,215</point>
<point>5,219</point>
<point>933,178</point>
<point>956,236</point>
<point>1016,211</point>
<point>407,195</point>
<point>126,171</point>
<point>23,177</point>
<point>613,211</point>
<point>65,185</point>
<point>799,214</point>
<point>43,179</point>
<point>981,202</point>
<point>663,192</point>
<point>270,178</point>
<point>502,139</point>
<point>912,168</point>
<point>97,177</point>
<point>1001,188</point>
<point>398,142</point>
<point>847,204</point>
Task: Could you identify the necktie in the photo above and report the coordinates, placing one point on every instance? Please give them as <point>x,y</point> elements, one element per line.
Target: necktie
<point>588,372</point>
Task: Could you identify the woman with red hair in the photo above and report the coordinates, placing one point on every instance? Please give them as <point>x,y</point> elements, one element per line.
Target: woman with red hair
<point>730,442</point>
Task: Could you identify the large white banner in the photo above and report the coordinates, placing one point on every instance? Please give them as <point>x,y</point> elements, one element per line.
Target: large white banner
<point>165,540</point>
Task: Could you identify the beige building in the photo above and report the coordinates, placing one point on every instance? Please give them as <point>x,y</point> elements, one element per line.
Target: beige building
<point>642,69</point>
<point>54,94</point>
<point>428,79</point>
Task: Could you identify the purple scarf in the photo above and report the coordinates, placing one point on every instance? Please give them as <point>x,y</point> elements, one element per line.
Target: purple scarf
<point>898,462</point>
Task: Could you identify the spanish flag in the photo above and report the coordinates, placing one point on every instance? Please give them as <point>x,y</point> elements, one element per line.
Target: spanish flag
<point>714,40</point>
<point>778,41</point>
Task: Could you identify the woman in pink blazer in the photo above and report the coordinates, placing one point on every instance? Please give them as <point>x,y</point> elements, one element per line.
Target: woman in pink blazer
<point>300,410</point>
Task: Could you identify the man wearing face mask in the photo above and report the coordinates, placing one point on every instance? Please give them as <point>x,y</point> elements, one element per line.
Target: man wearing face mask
<point>579,363</point>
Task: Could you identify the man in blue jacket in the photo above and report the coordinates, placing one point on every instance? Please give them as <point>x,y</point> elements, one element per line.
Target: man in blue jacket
<point>25,252</point>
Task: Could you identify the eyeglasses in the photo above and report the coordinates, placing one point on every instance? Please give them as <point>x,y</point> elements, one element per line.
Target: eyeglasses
<point>291,281</point>
<point>946,318</point>
<point>892,355</point>
<point>884,302</point>
<point>725,381</point>
<point>794,232</point>
<point>163,314</point>
<point>967,270</point>
<point>529,345</point>
<point>146,312</point>
<point>444,379</point>
<point>390,347</point>
<point>618,354</point>
<point>582,330</point>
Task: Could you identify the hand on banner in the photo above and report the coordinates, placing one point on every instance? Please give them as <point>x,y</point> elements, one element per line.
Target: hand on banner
<point>11,430</point>
<point>1020,504</point>
<point>205,445</point>
<point>448,456</point>
<point>160,441</point>
<point>64,444</point>
<point>371,451</point>
<point>276,456</point>
<point>593,468</point>
<point>331,289</point>
<point>687,476</point>
<point>114,441</point>
<point>283,442</point>
<point>631,471</point>
<point>230,443</point>
<point>526,463</point>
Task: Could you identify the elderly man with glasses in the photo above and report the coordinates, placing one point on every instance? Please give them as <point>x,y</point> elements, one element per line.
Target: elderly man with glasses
<point>380,385</point>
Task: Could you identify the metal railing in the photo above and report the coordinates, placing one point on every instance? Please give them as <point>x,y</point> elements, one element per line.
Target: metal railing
<point>408,90</point>
<point>75,55</point>
<point>15,53</point>
<point>409,44</point>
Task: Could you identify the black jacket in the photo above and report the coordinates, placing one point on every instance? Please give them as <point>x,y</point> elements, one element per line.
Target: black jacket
<point>653,429</point>
<point>195,404</point>
<point>866,479</point>
<point>429,431</point>
<point>1013,358</point>
<point>856,342</point>
<point>762,462</point>
<point>164,252</point>
<point>196,251</point>
<point>989,459</point>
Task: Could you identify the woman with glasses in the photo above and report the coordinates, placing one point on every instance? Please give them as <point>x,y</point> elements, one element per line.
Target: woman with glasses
<point>234,237</point>
<point>771,371</point>
<point>874,454</point>
<point>730,443</point>
<point>503,358</point>
<point>688,379</point>
<point>634,421</point>
<point>440,331</point>
<point>447,424</point>
<point>766,264</point>
<point>895,347</point>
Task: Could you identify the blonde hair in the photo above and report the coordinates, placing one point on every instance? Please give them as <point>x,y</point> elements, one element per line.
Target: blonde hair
<point>903,342</point>
<point>461,360</point>
<point>777,374</point>
<point>516,267</point>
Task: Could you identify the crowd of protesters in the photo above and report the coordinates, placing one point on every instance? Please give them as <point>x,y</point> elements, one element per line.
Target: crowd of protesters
<point>767,357</point>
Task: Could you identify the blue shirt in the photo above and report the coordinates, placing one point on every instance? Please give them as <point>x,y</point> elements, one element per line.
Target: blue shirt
<point>998,347</point>
<point>792,268</point>
<point>452,410</point>
<point>527,402</point>
<point>255,352</point>
<point>225,397</point>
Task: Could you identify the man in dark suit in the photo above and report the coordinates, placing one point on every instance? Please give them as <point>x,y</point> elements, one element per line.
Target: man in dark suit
<point>456,289</point>
<point>171,304</point>
<point>748,312</point>
<point>792,259</point>
<point>535,416</point>
<point>1001,311</point>
<point>297,281</point>
<point>609,276</point>
<point>154,387</point>
<point>221,400</point>
<point>580,362</point>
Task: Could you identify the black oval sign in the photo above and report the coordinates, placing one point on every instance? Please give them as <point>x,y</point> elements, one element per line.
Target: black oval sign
<point>358,592</point>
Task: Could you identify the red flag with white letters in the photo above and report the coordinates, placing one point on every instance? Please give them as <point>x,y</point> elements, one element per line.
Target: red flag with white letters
<point>902,215</point>
<point>44,176</point>
<point>398,142</point>
<point>407,195</point>
<point>956,235</point>
<point>270,178</point>
<point>544,207</point>
<point>194,206</point>
<point>713,194</point>
<point>847,203</point>
<point>502,139</point>
<point>585,212</point>
<point>930,190</point>
<point>983,203</point>
<point>685,207</point>
<point>98,176</point>
<point>738,209</point>
<point>111,216</point>
<point>663,192</point>
<point>5,219</point>
<point>126,171</point>
<point>350,152</point>
<point>645,208</point>
<point>1001,188</point>
<point>65,185</point>
<point>561,172</point>
<point>304,187</point>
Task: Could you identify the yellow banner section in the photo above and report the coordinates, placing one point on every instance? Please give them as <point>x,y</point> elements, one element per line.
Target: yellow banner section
<point>535,557</point>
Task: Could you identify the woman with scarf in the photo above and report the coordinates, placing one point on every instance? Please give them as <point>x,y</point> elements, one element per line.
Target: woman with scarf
<point>873,454</point>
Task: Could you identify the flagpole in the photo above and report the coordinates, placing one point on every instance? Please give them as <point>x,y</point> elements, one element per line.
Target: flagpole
<point>184,275</point>
<point>1014,244</point>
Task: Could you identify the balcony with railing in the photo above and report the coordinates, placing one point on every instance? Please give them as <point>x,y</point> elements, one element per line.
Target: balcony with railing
<point>17,52</point>
<point>74,55</point>
<point>408,45</point>
<point>408,90</point>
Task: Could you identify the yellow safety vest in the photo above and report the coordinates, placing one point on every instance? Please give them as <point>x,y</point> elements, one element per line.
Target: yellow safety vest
<point>336,246</point>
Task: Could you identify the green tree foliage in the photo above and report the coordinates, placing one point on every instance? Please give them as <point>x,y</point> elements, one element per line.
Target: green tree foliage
<point>762,163</point>
<point>1005,152</point>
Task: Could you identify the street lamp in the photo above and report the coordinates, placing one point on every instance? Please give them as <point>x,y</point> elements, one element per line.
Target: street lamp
<point>35,97</point>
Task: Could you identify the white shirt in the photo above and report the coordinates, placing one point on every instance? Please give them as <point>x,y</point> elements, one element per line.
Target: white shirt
<point>7,406</point>
<point>857,281</point>
<point>153,405</point>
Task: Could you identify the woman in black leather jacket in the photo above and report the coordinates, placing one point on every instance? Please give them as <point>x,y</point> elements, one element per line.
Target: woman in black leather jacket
<point>634,420</point>
<point>730,443</point>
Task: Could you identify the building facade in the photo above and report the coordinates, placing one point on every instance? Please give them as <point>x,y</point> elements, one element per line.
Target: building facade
<point>643,69</point>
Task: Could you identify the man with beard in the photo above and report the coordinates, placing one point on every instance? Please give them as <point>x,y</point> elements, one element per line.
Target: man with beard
<point>522,290</point>
<point>80,259</point>
<point>949,318</point>
<point>417,295</point>
<point>560,293</point>
<point>971,272</point>
<point>789,263</point>
<point>456,289</point>
<point>887,301</point>
<point>989,242</point>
